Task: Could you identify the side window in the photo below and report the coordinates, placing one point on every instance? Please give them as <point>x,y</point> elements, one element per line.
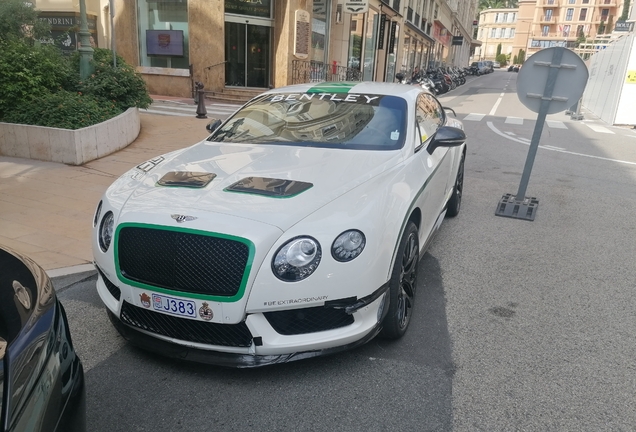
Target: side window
<point>429,116</point>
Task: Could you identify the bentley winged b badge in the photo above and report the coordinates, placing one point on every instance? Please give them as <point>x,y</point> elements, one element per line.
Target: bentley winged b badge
<point>182,218</point>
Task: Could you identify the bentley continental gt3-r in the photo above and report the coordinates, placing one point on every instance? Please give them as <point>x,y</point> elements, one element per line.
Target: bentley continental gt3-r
<point>293,230</point>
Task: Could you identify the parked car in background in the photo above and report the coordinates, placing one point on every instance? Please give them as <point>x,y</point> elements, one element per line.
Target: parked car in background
<point>41,377</point>
<point>481,67</point>
<point>496,65</point>
<point>294,230</point>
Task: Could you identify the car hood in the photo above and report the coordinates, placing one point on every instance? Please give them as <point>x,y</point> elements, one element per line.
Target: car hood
<point>323,174</point>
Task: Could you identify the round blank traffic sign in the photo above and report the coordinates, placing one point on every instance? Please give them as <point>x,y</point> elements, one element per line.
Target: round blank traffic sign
<point>569,84</point>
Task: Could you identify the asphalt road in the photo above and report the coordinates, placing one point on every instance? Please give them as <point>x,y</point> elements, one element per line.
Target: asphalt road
<point>519,325</point>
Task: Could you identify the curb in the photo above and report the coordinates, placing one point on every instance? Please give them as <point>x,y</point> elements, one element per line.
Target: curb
<point>67,276</point>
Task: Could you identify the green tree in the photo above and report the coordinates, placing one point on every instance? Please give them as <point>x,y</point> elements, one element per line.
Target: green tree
<point>502,59</point>
<point>497,4</point>
<point>580,38</point>
<point>19,20</point>
<point>601,28</point>
<point>28,72</point>
<point>625,14</point>
<point>610,24</point>
<point>498,50</point>
<point>522,56</point>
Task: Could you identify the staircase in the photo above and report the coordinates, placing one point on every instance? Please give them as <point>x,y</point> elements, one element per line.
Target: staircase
<point>235,95</point>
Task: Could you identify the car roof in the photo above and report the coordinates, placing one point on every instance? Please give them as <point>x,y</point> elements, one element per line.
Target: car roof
<point>366,87</point>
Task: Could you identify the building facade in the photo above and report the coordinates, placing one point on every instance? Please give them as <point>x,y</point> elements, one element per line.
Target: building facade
<point>549,23</point>
<point>251,45</point>
<point>496,27</point>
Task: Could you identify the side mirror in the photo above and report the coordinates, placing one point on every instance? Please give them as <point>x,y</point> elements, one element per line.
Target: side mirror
<point>449,109</point>
<point>213,125</point>
<point>447,136</point>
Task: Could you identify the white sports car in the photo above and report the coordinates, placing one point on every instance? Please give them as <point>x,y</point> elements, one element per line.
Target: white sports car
<point>294,230</point>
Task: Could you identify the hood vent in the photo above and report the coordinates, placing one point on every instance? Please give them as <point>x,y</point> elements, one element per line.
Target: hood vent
<point>186,179</point>
<point>276,188</point>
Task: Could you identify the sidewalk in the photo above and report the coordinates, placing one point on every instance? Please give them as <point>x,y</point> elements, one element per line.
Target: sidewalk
<point>46,208</point>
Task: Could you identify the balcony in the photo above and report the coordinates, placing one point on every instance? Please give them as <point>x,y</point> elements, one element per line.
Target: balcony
<point>550,3</point>
<point>606,4</point>
<point>557,36</point>
<point>547,20</point>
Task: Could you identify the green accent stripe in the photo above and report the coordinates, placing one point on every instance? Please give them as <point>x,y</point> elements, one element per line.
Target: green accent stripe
<point>225,299</point>
<point>264,195</point>
<point>410,211</point>
<point>333,87</point>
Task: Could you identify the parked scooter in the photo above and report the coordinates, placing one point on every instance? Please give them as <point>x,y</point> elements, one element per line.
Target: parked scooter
<point>418,80</point>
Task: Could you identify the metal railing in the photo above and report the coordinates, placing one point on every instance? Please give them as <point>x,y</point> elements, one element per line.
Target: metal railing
<point>304,71</point>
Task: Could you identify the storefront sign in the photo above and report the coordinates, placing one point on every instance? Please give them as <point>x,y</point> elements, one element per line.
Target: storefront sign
<point>622,26</point>
<point>302,34</point>
<point>259,8</point>
<point>441,34</point>
<point>631,77</point>
<point>382,31</point>
<point>458,40</point>
<point>392,37</point>
<point>356,7</point>
<point>59,21</point>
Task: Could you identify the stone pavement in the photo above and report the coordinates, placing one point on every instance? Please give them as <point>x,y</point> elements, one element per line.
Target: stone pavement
<point>46,208</point>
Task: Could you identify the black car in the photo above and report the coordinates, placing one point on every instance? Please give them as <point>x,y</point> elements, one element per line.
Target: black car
<point>41,377</point>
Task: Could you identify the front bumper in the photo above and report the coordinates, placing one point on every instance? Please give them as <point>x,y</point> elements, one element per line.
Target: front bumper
<point>258,340</point>
<point>236,360</point>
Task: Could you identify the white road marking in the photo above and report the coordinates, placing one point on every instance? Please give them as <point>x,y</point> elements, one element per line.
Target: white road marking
<point>556,124</point>
<point>514,120</point>
<point>474,117</point>
<point>494,108</point>
<point>549,147</point>
<point>498,132</point>
<point>599,128</point>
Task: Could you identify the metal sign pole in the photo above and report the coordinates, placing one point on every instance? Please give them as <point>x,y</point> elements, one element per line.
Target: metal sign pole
<point>112,32</point>
<point>547,70</point>
<point>546,98</point>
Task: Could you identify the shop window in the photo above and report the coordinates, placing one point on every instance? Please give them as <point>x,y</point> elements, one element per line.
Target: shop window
<point>163,33</point>
<point>355,41</point>
<point>370,44</point>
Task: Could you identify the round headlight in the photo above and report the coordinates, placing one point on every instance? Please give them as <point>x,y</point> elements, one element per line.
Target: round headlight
<point>297,259</point>
<point>97,213</point>
<point>348,245</point>
<point>106,231</point>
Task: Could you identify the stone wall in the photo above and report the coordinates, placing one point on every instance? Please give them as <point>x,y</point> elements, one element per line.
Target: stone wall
<point>73,147</point>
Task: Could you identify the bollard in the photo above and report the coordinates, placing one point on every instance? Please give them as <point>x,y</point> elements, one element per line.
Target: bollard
<point>575,111</point>
<point>202,112</point>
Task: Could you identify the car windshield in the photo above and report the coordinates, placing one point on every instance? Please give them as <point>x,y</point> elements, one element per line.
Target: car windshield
<point>330,120</point>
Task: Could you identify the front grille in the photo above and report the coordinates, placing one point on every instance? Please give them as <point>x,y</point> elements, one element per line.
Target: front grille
<point>309,320</point>
<point>182,261</point>
<point>111,287</point>
<point>233,335</point>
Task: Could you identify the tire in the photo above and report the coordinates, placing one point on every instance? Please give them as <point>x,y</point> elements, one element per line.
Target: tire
<point>455,201</point>
<point>402,285</point>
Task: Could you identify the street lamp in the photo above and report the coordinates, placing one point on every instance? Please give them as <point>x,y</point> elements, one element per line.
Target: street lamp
<point>85,49</point>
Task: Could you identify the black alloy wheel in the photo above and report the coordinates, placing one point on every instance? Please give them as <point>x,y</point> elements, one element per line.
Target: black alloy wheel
<point>402,285</point>
<point>455,201</point>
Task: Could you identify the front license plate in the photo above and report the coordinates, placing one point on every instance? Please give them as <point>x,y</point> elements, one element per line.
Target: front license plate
<point>174,306</point>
